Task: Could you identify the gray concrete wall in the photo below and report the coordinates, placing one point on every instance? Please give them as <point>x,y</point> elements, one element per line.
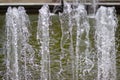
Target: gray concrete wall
<point>98,0</point>
<point>47,1</point>
<point>26,1</point>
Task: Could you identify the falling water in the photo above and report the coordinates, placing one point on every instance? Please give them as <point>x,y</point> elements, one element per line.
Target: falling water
<point>12,21</point>
<point>66,39</point>
<point>26,52</point>
<point>105,42</point>
<point>19,52</point>
<point>94,5</point>
<point>74,22</point>
<point>83,63</point>
<point>74,61</point>
<point>43,37</point>
<point>92,8</point>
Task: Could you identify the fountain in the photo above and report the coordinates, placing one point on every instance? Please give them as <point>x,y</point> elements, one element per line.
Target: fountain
<point>105,43</point>
<point>20,55</point>
<point>11,24</point>
<point>43,37</point>
<point>67,54</point>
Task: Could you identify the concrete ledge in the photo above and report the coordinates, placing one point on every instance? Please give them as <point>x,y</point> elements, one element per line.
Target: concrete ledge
<point>27,4</point>
<point>105,3</point>
<point>30,7</point>
<point>55,4</point>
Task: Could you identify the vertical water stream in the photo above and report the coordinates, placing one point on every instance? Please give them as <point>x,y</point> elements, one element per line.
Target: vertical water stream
<point>43,37</point>
<point>106,24</point>
<point>74,61</point>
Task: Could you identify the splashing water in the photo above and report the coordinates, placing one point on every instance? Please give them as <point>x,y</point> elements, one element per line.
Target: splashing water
<point>105,42</point>
<point>12,47</point>
<point>66,39</point>
<point>74,61</point>
<point>83,63</point>
<point>26,51</point>
<point>92,8</point>
<point>94,5</point>
<point>43,37</point>
<point>17,45</point>
<point>75,19</point>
